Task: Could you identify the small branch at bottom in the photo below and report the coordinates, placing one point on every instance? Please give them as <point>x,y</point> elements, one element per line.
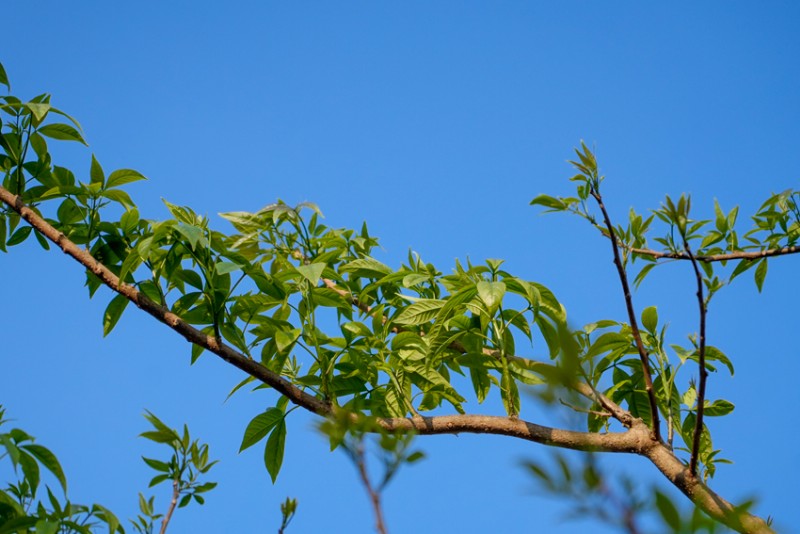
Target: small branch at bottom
<point>172,503</point>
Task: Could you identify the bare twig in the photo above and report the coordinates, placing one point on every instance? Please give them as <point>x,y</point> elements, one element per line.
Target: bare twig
<point>643,356</point>
<point>374,496</point>
<point>701,392</point>
<point>172,503</point>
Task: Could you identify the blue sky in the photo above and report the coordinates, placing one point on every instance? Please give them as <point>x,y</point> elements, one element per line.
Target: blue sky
<point>436,123</point>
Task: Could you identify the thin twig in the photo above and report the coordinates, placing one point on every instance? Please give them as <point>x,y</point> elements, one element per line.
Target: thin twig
<point>643,356</point>
<point>701,393</point>
<point>742,255</point>
<point>172,503</point>
<point>374,496</point>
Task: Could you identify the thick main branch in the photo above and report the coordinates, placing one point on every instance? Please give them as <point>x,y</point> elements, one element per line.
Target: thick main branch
<point>429,425</point>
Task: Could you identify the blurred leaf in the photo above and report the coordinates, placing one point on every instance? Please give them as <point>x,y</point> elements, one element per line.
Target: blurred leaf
<point>668,511</point>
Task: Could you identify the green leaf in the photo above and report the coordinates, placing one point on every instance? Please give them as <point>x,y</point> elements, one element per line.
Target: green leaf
<point>491,294</point>
<point>30,470</point>
<point>43,526</point>
<point>481,383</point>
<point>158,465</point>
<point>3,233</point>
<point>62,132</point>
<point>194,234</point>
<point>39,110</point>
<point>668,511</point>
<point>650,319</point>
<point>555,204</point>
<point>4,77</point>
<point>367,267</point>
<point>113,313</point>
<point>119,196</point>
<point>124,176</point>
<point>284,339</point>
<point>510,393</point>
<point>311,272</point>
<point>96,172</point>
<point>260,426</point>
<point>718,408</point>
<point>325,296</point>
<point>273,452</point>
<point>741,267</point>
<point>129,220</point>
<point>19,236</point>
<point>420,312</point>
<point>761,274</point>
<point>225,267</point>
<point>410,280</point>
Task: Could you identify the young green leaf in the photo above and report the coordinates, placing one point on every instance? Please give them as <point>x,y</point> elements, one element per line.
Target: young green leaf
<point>311,272</point>
<point>761,274</point>
<point>420,312</point>
<point>491,294</point>
<point>650,319</point>
<point>113,313</point>
<point>62,132</point>
<point>49,461</point>
<point>124,176</point>
<point>273,452</point>
<point>96,172</point>
<point>260,426</point>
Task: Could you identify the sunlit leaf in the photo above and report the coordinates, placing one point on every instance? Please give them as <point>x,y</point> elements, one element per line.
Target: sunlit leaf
<point>260,426</point>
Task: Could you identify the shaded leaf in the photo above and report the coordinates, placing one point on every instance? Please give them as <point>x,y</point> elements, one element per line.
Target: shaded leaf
<point>273,452</point>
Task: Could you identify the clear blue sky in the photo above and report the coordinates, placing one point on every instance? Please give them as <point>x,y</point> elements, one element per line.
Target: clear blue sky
<point>436,123</point>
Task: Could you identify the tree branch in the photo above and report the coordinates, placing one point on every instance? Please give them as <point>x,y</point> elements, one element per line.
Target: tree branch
<point>619,413</point>
<point>423,425</point>
<point>643,356</point>
<point>638,439</point>
<point>172,503</point>
<point>374,496</point>
<point>701,392</point>
<point>701,495</point>
<point>755,255</point>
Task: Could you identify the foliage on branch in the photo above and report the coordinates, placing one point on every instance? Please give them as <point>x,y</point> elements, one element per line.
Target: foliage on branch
<point>308,310</point>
